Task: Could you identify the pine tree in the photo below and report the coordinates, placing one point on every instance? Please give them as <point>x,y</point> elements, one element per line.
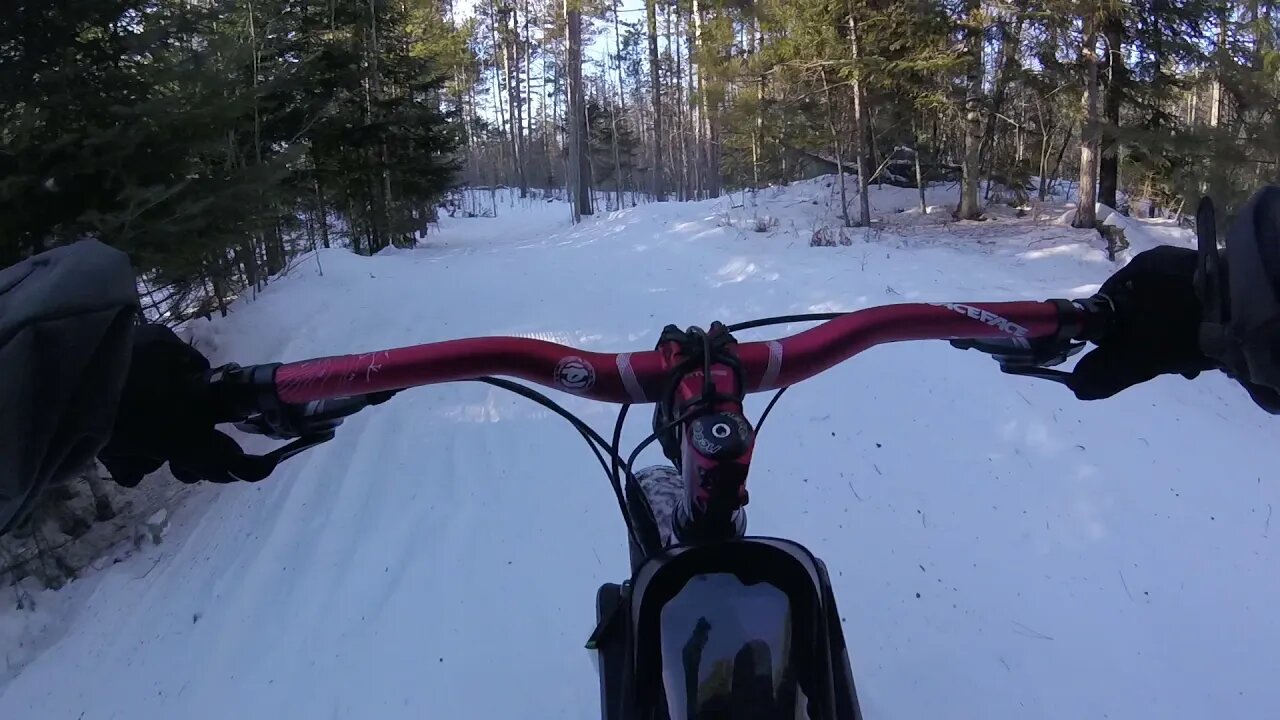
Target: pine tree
<point>215,143</point>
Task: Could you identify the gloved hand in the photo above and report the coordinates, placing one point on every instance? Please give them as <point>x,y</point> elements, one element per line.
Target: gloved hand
<point>1154,330</point>
<point>165,415</point>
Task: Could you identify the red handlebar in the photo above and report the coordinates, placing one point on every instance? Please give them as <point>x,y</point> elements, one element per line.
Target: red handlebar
<point>638,377</point>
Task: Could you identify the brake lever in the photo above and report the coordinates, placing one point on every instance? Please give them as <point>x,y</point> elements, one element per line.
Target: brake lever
<point>1034,357</point>
<point>1061,377</point>
<point>1025,354</point>
<point>310,420</point>
<point>246,396</point>
<point>308,425</point>
<point>1035,360</point>
<point>306,442</point>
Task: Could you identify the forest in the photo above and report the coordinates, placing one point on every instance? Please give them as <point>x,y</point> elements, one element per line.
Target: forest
<point>218,141</point>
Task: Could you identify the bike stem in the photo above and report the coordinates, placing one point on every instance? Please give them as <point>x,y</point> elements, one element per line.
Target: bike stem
<point>713,441</point>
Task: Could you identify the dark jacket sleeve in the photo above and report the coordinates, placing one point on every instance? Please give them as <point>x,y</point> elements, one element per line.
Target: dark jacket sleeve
<point>67,319</point>
<point>1240,329</point>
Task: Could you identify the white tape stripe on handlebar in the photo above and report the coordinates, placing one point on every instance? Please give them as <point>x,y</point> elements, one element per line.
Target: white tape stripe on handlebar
<point>775,365</point>
<point>629,378</point>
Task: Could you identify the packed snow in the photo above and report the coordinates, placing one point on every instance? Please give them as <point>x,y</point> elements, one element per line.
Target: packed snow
<point>998,549</point>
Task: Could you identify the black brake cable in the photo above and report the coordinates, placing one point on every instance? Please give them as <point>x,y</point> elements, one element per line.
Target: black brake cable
<point>624,482</point>
<point>772,401</point>
<point>784,319</point>
<point>649,537</point>
<point>594,441</point>
<point>588,433</point>
<point>616,456</point>
<point>597,443</point>
<point>657,433</point>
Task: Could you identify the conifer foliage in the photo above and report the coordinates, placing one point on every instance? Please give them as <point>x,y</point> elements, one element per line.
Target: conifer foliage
<point>217,140</point>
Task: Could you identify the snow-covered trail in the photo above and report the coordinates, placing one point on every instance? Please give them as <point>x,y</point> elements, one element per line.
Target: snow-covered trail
<point>999,549</point>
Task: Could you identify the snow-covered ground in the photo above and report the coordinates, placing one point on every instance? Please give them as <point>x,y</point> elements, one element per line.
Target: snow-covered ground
<point>999,549</point>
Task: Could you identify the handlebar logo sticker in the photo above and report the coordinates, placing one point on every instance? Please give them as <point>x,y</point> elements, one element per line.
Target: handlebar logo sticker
<point>986,316</point>
<point>575,374</point>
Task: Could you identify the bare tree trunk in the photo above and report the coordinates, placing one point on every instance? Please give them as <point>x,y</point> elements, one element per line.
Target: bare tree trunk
<point>557,133</point>
<point>915,138</point>
<point>862,119</point>
<point>697,115</point>
<point>219,293</point>
<point>1221,139</point>
<point>508,18</point>
<point>714,181</point>
<point>1021,143</point>
<point>322,209</point>
<point>575,116</point>
<point>526,41</point>
<point>586,170</point>
<point>757,129</point>
<point>1010,41</point>
<point>969,208</point>
<point>1086,211</point>
<point>681,145</point>
<point>711,90</point>
<point>613,138</point>
<point>464,103</point>
<point>1109,164</point>
<point>497,80</point>
<point>1062,151</point>
<point>310,219</point>
<point>838,147</point>
<point>1046,147</point>
<point>1215,101</point>
<point>657,186</point>
<point>622,107</point>
<point>546,129</point>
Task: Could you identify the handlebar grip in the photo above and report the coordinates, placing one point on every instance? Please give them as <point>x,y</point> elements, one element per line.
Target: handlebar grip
<point>1089,320</point>
<point>247,396</point>
<point>238,393</point>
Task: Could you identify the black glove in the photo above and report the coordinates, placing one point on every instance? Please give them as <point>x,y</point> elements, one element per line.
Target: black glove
<point>1154,329</point>
<point>165,414</point>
